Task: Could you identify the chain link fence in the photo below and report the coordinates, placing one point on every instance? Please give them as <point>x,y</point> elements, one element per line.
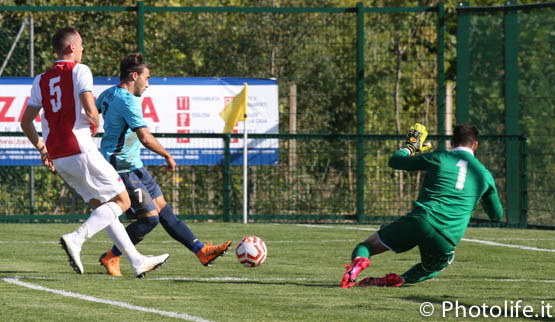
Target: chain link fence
<point>506,86</point>
<point>347,71</point>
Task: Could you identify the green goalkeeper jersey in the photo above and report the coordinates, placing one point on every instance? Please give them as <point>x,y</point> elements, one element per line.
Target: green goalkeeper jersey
<point>454,184</point>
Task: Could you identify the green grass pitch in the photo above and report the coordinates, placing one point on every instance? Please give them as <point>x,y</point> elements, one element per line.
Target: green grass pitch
<point>299,280</point>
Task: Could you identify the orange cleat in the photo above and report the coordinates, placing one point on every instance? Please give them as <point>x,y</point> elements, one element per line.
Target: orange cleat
<point>110,262</point>
<point>357,266</point>
<point>210,252</point>
<point>390,280</point>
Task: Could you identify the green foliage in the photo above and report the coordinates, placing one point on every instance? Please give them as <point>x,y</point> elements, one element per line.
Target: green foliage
<point>536,98</point>
<point>535,92</point>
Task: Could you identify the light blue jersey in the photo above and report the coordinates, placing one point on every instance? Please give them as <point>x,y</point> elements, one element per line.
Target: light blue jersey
<point>123,116</point>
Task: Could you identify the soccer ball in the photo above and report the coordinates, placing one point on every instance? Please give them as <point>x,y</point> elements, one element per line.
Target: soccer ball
<point>251,251</point>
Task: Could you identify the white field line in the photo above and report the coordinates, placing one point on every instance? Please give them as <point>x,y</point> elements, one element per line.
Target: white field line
<point>172,241</point>
<point>509,280</point>
<point>277,279</point>
<point>485,242</point>
<point>246,279</point>
<point>182,316</point>
<point>502,280</point>
<point>335,227</point>
<point>506,238</point>
<point>228,279</point>
<point>311,241</point>
<point>48,242</point>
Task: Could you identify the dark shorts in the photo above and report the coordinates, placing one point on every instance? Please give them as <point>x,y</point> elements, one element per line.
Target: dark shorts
<point>142,189</point>
<point>413,230</point>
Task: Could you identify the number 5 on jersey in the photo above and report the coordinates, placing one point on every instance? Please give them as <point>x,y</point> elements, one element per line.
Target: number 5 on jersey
<point>56,92</point>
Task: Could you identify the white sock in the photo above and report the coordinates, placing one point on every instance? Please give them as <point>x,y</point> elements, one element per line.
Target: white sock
<point>99,219</point>
<point>119,236</point>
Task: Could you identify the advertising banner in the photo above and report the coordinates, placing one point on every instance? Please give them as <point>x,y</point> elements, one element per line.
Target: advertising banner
<point>170,105</point>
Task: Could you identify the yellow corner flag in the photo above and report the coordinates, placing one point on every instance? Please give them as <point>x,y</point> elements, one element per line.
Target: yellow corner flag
<point>235,111</point>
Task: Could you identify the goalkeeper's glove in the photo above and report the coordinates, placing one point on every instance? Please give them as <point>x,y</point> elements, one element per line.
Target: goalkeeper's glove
<point>415,139</point>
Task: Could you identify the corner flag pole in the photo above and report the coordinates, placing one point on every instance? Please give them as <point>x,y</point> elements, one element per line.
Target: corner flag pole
<point>245,163</point>
<point>235,111</point>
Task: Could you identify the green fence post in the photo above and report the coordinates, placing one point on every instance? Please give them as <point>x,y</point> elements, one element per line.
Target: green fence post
<point>226,168</point>
<point>512,114</point>
<point>441,73</point>
<point>463,62</point>
<point>360,107</point>
<point>141,27</point>
<point>524,182</point>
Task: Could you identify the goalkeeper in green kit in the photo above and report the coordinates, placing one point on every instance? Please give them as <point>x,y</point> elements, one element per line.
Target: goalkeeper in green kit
<point>455,182</point>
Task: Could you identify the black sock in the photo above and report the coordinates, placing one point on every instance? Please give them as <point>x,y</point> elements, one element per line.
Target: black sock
<point>179,230</point>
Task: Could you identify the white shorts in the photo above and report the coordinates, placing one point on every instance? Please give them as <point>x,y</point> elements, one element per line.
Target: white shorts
<point>90,175</point>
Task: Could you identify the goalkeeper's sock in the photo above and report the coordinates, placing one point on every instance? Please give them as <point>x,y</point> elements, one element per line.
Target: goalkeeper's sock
<point>138,230</point>
<point>179,230</point>
<point>418,273</point>
<point>362,250</point>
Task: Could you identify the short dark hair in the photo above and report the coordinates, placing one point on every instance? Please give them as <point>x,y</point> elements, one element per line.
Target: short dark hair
<point>465,134</point>
<point>60,36</point>
<point>130,64</point>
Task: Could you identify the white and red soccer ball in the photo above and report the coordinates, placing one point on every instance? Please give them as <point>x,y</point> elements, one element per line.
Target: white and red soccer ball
<point>251,251</point>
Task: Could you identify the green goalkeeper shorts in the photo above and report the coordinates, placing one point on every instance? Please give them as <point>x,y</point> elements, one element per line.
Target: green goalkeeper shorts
<point>413,230</point>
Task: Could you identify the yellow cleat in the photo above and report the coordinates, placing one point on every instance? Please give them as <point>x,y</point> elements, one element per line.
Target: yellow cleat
<point>110,262</point>
<point>210,252</point>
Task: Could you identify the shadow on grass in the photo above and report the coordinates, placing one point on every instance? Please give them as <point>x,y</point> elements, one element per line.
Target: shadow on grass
<point>433,300</point>
<point>19,272</point>
<point>239,282</point>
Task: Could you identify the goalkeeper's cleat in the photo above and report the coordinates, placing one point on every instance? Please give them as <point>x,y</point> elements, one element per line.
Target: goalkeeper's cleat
<point>73,251</point>
<point>357,266</point>
<point>148,264</point>
<point>210,252</point>
<point>390,280</point>
<point>111,263</point>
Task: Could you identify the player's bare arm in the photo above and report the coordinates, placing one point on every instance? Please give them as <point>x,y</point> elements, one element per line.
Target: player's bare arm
<point>87,99</point>
<point>150,142</point>
<point>31,132</point>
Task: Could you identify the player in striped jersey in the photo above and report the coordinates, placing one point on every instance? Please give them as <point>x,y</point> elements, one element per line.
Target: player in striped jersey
<point>454,184</point>
<point>69,118</point>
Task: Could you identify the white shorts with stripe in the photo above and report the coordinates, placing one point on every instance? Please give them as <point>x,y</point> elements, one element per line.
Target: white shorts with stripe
<point>90,175</point>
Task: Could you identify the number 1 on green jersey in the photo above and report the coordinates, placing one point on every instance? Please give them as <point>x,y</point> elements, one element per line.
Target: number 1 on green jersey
<point>462,164</point>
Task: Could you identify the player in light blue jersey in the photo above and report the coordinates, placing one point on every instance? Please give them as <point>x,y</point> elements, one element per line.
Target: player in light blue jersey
<point>120,144</point>
<point>124,131</point>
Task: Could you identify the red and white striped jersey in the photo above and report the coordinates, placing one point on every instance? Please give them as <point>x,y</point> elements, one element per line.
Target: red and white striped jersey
<point>65,127</point>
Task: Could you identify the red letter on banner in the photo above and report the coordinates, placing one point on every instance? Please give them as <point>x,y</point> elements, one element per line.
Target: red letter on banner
<point>149,110</point>
<point>8,100</point>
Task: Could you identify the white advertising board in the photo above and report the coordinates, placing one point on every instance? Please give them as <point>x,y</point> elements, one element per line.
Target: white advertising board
<point>170,105</point>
